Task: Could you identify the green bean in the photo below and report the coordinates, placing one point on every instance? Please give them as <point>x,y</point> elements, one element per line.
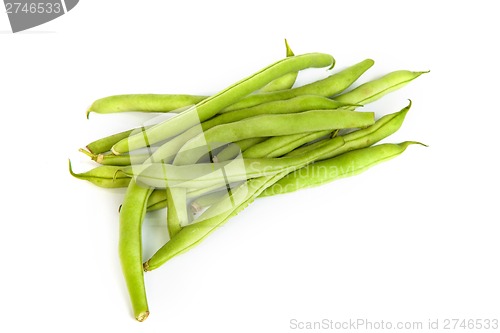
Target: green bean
<point>373,90</point>
<point>284,82</point>
<point>143,103</point>
<point>103,176</point>
<point>215,216</point>
<point>346,165</point>
<point>207,108</point>
<point>104,144</point>
<point>332,85</point>
<point>234,149</point>
<point>280,145</point>
<point>274,125</point>
<point>132,214</point>
<point>293,105</point>
<point>384,127</point>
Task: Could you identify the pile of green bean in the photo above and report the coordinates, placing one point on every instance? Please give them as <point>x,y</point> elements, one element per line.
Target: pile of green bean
<point>259,137</point>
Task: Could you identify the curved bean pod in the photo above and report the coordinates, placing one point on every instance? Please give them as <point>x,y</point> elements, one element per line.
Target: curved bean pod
<point>384,127</point>
<point>346,165</point>
<point>207,108</point>
<point>103,176</point>
<point>132,214</point>
<point>284,82</point>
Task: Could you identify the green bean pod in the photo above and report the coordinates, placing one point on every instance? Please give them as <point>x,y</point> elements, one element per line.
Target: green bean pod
<point>103,176</point>
<point>104,144</point>
<point>384,127</point>
<point>346,165</point>
<point>293,105</point>
<point>330,86</point>
<point>143,103</point>
<point>280,145</point>
<point>207,108</point>
<point>373,90</point>
<point>132,213</point>
<point>284,82</point>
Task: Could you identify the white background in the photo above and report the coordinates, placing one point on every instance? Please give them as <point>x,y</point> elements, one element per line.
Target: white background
<point>410,240</point>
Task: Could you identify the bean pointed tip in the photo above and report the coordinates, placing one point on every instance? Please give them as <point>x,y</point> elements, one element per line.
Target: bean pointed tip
<point>409,143</point>
<point>333,64</point>
<point>70,167</point>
